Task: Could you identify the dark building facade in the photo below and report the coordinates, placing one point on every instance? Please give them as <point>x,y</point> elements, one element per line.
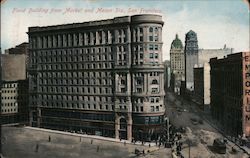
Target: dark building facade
<point>199,85</point>
<point>229,93</point>
<point>100,77</point>
<point>167,76</point>
<point>191,58</point>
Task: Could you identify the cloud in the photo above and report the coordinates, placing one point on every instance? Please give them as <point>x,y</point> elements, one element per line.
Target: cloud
<point>213,31</point>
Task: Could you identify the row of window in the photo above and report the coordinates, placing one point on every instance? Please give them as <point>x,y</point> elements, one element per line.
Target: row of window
<point>92,90</point>
<point>70,66</point>
<point>9,97</point>
<point>9,110</point>
<point>67,104</point>
<point>9,104</point>
<point>79,39</point>
<point>8,91</point>
<point>79,82</point>
<point>78,115</point>
<point>87,74</point>
<point>63,59</point>
<point>75,74</point>
<point>9,85</point>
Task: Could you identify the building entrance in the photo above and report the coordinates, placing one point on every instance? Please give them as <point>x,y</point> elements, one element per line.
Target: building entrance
<point>123,129</point>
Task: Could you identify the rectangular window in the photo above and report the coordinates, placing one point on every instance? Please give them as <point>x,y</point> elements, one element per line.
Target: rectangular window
<point>157,108</point>
<point>156,47</point>
<point>154,90</point>
<point>141,30</point>
<point>139,90</point>
<point>152,108</point>
<point>141,55</point>
<point>156,56</point>
<point>150,38</point>
<point>151,47</point>
<point>156,38</point>
<point>152,100</point>
<point>151,55</point>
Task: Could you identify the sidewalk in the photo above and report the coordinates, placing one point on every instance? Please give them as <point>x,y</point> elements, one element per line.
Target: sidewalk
<point>146,144</point>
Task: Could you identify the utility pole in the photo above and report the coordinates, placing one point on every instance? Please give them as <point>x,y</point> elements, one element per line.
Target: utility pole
<point>189,148</point>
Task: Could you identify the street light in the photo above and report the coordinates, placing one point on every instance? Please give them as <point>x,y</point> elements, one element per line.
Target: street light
<point>166,119</point>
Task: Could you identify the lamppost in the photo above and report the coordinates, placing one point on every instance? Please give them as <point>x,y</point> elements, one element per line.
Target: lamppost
<point>166,119</point>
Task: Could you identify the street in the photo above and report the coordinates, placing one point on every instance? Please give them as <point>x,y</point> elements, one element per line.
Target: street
<point>199,132</point>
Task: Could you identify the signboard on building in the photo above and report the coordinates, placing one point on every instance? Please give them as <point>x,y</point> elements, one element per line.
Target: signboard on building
<point>246,93</point>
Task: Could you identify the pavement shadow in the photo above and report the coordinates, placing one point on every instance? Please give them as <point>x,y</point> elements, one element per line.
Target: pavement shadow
<point>211,148</point>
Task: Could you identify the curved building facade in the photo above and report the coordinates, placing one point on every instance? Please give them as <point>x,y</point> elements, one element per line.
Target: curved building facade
<point>99,77</point>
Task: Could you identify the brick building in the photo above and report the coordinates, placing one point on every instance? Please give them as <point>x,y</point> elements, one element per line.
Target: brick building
<point>99,77</point>
<point>229,92</point>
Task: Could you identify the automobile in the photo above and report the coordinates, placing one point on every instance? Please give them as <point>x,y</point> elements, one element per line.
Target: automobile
<point>200,121</point>
<point>219,146</point>
<point>179,110</point>
<point>181,130</point>
<point>194,121</point>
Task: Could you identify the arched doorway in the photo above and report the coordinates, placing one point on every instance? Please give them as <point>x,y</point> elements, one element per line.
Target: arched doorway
<point>123,128</point>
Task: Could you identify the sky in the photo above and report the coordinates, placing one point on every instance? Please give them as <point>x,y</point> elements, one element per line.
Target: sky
<point>216,22</point>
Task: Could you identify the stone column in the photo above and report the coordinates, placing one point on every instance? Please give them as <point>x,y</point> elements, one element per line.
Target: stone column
<point>30,117</point>
<point>133,82</point>
<point>49,42</point>
<point>38,117</point>
<point>161,83</point>
<point>145,83</point>
<point>64,41</point>
<point>129,127</point>
<point>44,42</point>
<point>128,83</point>
<point>59,41</point>
<point>80,41</point>
<point>117,126</point>
<point>69,39</point>
<point>116,82</point>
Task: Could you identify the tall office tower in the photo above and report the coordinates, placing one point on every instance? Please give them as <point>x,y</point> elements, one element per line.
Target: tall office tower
<point>100,77</point>
<point>177,61</point>
<point>191,58</point>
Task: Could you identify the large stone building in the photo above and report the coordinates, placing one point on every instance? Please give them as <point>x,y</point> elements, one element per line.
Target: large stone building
<point>177,61</point>
<point>14,89</point>
<point>204,55</point>
<point>100,77</point>
<point>22,48</point>
<point>191,58</point>
<point>230,93</point>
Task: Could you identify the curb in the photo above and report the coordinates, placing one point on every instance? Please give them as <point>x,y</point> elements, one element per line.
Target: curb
<point>89,136</point>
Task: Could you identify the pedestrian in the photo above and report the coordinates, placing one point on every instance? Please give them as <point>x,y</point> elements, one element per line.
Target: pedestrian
<point>149,145</point>
<point>37,148</point>
<point>124,143</point>
<point>80,139</point>
<point>143,151</point>
<point>49,139</point>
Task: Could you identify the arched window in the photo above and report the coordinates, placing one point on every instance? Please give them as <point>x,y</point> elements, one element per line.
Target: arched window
<point>154,81</point>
